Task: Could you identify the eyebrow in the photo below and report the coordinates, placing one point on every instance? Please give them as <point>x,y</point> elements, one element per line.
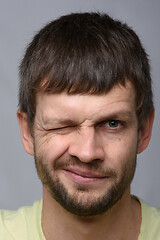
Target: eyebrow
<point>119,115</point>
<point>59,121</point>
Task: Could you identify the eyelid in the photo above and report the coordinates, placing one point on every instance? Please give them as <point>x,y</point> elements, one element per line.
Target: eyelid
<point>116,121</point>
<point>120,123</point>
<point>60,128</point>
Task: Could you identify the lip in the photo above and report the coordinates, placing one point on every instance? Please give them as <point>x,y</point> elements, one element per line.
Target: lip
<point>83,177</point>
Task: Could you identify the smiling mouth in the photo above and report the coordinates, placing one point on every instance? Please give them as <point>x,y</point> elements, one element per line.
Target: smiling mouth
<point>83,177</point>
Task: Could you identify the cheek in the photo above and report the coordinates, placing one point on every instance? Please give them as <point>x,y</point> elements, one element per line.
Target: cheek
<point>121,150</point>
<point>52,147</point>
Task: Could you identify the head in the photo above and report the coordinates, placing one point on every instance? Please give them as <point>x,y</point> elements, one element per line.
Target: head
<point>85,53</point>
<point>85,104</point>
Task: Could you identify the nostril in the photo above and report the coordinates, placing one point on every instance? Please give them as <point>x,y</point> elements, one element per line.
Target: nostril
<point>86,155</point>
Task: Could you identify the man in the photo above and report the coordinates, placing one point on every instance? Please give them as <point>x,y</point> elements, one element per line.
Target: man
<point>85,112</point>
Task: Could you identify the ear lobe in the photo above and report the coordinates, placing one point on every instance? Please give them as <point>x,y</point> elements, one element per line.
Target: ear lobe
<point>145,132</point>
<point>26,137</point>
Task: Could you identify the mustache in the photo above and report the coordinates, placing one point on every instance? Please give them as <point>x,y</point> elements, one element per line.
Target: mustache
<point>94,165</point>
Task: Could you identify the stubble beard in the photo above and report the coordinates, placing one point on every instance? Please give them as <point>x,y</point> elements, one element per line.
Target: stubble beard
<point>83,202</point>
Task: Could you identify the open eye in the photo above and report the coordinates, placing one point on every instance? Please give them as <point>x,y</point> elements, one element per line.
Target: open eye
<point>113,123</point>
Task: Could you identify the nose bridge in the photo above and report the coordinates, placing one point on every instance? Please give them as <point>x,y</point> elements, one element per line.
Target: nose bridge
<point>85,145</point>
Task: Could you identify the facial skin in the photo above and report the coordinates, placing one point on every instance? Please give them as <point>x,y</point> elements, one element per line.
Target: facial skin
<point>85,147</point>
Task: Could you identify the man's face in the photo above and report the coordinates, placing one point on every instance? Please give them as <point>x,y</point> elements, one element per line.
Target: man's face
<point>85,147</point>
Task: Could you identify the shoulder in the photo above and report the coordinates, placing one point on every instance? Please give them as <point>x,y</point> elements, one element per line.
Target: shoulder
<point>19,224</point>
<point>150,227</point>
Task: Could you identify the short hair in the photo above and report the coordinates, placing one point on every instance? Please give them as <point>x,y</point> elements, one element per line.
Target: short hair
<point>84,53</point>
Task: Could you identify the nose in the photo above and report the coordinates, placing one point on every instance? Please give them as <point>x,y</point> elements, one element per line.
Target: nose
<point>86,146</point>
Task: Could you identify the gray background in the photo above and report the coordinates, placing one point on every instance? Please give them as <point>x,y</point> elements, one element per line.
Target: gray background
<point>19,21</point>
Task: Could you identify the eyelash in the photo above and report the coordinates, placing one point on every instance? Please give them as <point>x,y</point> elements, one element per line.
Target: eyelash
<point>107,125</point>
<point>60,128</point>
<point>117,122</point>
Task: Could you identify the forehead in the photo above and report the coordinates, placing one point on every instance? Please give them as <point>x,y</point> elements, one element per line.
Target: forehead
<point>119,98</point>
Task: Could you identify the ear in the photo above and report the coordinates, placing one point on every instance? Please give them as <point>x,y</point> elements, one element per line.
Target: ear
<point>27,139</point>
<point>145,132</point>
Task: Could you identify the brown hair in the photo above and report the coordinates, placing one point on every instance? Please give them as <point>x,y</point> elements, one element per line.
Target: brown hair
<point>84,53</point>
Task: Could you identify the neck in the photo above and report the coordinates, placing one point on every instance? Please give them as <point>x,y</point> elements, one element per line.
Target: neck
<point>122,221</point>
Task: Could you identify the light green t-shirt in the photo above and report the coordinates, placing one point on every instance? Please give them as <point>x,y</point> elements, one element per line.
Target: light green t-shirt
<point>25,224</point>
